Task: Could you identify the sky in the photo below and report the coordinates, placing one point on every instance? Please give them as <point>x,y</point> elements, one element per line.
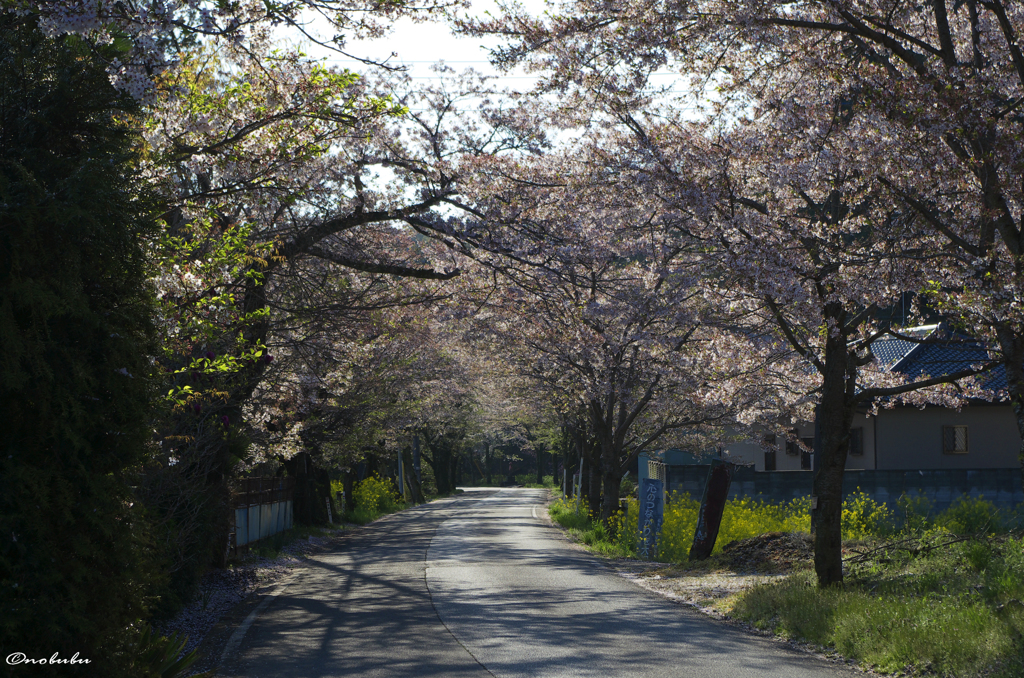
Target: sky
<point>418,46</point>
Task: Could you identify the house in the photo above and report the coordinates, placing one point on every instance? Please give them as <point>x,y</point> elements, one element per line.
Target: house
<point>981,435</point>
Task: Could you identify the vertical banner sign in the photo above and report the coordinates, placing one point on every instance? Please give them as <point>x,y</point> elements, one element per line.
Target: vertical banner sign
<point>652,513</point>
<point>712,506</point>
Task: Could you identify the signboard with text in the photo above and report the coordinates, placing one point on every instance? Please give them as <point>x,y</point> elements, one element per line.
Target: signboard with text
<point>652,513</point>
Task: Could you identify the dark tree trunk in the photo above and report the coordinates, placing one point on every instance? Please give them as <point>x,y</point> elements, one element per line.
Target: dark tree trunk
<point>454,466</point>
<point>834,417</point>
<point>348,483</point>
<point>610,502</point>
<point>577,462</point>
<point>583,465</point>
<point>444,461</point>
<point>566,443</point>
<point>594,489</point>
<point>411,481</point>
<point>540,464</point>
<point>312,489</point>
<point>487,461</point>
<point>416,460</point>
<point>1012,345</point>
<point>584,471</point>
<point>611,476</point>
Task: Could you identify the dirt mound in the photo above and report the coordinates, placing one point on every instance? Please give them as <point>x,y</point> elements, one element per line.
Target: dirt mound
<point>774,551</point>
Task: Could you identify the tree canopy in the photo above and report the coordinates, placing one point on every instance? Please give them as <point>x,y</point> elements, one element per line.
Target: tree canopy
<point>219,253</point>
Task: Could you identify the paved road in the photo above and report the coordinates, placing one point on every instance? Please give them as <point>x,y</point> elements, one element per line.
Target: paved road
<point>480,586</point>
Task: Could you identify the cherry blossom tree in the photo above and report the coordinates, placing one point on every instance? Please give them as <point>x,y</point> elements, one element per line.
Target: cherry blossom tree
<point>782,170</point>
<point>603,308</point>
<point>285,183</point>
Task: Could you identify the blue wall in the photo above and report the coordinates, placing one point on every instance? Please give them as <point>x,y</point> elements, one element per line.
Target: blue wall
<point>941,487</point>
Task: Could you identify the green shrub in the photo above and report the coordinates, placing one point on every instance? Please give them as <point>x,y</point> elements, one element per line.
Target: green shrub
<point>972,515</point>
<point>531,481</point>
<point>164,657</point>
<point>745,517</point>
<point>575,517</point>
<point>76,331</point>
<point>742,518</point>
<point>864,517</point>
<point>571,513</point>
<point>374,497</point>
<point>915,513</point>
<point>625,527</point>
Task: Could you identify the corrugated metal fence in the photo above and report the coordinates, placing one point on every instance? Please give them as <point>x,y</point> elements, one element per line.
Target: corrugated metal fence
<point>261,507</point>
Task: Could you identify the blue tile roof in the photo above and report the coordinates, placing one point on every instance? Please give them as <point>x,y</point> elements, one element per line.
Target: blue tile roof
<point>916,360</point>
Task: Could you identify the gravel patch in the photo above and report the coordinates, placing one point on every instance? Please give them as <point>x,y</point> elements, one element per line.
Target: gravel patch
<point>704,591</point>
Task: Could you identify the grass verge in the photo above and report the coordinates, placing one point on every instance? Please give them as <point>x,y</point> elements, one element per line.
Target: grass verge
<point>929,594</point>
<point>575,518</point>
<point>938,604</point>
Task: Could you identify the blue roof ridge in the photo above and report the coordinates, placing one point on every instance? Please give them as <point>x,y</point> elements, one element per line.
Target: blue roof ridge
<point>918,347</point>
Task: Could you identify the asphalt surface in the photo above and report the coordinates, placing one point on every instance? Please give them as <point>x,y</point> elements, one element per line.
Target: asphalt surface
<point>483,586</point>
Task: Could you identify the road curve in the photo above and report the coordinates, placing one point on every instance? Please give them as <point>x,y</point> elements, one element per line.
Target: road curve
<point>482,586</point>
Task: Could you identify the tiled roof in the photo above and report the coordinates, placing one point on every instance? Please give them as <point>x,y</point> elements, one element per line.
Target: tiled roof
<point>889,351</point>
<point>916,360</point>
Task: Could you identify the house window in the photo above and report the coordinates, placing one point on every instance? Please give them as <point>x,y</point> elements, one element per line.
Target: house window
<point>857,441</point>
<point>792,448</point>
<point>805,456</point>
<point>954,440</point>
<point>770,447</point>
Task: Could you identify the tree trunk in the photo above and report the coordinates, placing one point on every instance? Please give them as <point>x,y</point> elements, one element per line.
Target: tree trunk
<point>584,471</point>
<point>834,417</point>
<point>540,464</point>
<point>594,494</point>
<point>577,462</point>
<point>444,462</point>
<point>610,501</point>
<point>487,461</point>
<point>348,484</point>
<point>312,487</point>
<point>612,477</point>
<point>454,470</point>
<point>416,461</point>
<point>1012,345</point>
<point>411,481</point>
<point>566,442</point>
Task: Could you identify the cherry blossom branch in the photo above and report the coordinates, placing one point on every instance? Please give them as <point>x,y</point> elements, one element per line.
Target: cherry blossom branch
<point>388,269</point>
<point>871,393</point>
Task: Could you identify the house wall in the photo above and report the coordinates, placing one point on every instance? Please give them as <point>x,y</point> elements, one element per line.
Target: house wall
<point>910,438</point>
<point>866,461</point>
<point>752,452</point>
